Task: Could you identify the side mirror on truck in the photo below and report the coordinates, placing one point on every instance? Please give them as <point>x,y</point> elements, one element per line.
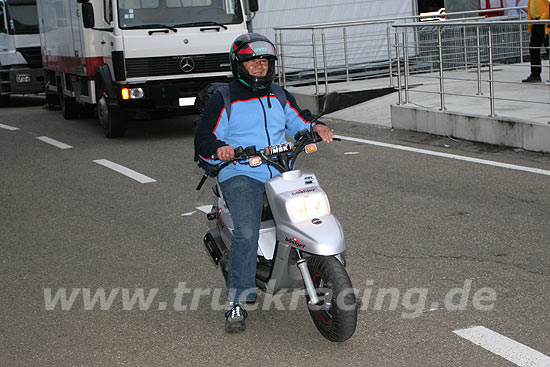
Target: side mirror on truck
<point>87,14</point>
<point>253,5</point>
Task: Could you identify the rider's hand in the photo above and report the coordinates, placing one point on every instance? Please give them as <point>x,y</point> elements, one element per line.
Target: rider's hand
<point>225,153</point>
<point>324,132</point>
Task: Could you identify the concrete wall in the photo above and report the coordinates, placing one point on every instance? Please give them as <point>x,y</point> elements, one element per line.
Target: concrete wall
<point>492,130</point>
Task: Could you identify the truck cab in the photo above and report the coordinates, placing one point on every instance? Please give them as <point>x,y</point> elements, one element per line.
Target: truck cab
<point>131,56</point>
<point>20,60</point>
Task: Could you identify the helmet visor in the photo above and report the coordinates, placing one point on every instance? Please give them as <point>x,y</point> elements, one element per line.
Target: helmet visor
<point>254,50</point>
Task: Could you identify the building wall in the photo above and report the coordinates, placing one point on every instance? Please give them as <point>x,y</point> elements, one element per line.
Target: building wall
<point>365,43</point>
<point>277,13</point>
<point>461,5</point>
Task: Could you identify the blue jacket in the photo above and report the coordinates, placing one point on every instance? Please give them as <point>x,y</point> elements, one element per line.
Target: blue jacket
<point>256,119</point>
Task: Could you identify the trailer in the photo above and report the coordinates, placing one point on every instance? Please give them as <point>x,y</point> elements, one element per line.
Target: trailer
<point>121,57</point>
<point>20,61</point>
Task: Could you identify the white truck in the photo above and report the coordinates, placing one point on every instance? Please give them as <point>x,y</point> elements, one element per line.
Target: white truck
<point>119,57</point>
<point>20,61</point>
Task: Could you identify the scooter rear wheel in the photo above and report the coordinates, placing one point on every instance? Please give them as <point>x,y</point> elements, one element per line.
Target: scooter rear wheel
<point>336,315</point>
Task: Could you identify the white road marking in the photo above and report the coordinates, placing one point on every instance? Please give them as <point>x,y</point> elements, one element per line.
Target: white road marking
<point>189,214</point>
<point>447,155</point>
<point>8,127</point>
<point>205,208</point>
<point>509,349</point>
<point>54,142</point>
<point>125,171</point>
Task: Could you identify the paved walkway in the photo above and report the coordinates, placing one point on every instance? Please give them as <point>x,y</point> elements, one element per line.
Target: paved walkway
<point>523,102</point>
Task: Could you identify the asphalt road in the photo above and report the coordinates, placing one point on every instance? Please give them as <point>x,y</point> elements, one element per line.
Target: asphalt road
<point>454,244</point>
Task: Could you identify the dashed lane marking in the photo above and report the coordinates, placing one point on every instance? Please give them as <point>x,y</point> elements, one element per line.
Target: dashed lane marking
<point>54,142</point>
<point>447,155</point>
<point>8,127</point>
<point>205,208</point>
<point>125,171</point>
<point>507,348</point>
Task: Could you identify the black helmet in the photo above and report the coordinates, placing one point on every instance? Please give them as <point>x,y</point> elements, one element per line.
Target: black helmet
<point>250,46</point>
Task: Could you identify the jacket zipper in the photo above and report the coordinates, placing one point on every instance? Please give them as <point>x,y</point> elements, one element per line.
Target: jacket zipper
<point>266,133</point>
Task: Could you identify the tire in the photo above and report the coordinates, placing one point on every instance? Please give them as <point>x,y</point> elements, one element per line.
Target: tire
<point>52,100</point>
<point>5,100</point>
<point>69,107</point>
<point>112,118</point>
<point>335,316</point>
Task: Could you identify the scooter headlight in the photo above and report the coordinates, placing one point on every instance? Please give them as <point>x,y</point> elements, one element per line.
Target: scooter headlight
<point>308,207</point>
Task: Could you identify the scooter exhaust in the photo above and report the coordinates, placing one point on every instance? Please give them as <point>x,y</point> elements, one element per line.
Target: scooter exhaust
<point>214,246</point>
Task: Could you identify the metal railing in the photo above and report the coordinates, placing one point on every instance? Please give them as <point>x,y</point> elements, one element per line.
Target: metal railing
<point>345,51</point>
<point>471,46</point>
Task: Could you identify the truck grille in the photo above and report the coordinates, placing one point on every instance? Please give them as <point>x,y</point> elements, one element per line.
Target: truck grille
<point>177,65</point>
<point>32,56</point>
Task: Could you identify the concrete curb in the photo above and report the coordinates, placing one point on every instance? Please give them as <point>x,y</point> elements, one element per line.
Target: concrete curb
<point>485,129</point>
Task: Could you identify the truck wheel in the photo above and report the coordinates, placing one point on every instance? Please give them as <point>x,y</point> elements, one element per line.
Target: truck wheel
<point>52,100</point>
<point>112,118</point>
<point>4,100</point>
<point>69,107</point>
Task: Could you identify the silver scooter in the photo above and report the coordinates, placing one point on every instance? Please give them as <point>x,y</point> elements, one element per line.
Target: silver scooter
<point>301,242</point>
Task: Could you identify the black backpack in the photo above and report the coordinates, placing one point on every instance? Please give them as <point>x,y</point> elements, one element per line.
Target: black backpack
<point>201,101</point>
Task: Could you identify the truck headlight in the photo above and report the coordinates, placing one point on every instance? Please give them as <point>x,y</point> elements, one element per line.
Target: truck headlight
<point>136,93</point>
<point>22,78</point>
<point>308,207</point>
<point>132,93</point>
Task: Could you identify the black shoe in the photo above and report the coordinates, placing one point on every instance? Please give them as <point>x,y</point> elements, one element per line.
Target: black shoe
<point>234,319</point>
<point>531,79</point>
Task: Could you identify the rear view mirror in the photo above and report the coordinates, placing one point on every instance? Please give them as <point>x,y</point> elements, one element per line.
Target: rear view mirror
<point>253,5</point>
<point>88,15</point>
<point>331,103</point>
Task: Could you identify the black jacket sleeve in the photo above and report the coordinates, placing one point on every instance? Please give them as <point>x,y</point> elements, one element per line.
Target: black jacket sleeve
<point>206,142</point>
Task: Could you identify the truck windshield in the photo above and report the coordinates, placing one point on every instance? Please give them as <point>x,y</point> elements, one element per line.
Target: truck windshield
<point>178,13</point>
<point>22,17</point>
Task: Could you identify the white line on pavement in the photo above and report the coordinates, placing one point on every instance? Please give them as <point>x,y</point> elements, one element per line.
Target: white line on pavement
<point>205,208</point>
<point>8,127</point>
<point>447,155</point>
<point>505,347</point>
<point>54,142</point>
<point>125,171</point>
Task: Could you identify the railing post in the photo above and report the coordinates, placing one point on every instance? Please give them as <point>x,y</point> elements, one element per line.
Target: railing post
<point>478,62</point>
<point>282,59</point>
<point>441,83</point>
<point>406,56</point>
<point>315,69</point>
<point>521,38</point>
<point>465,48</point>
<point>491,82</point>
<point>388,40</point>
<point>323,42</point>
<point>399,101</point>
<point>346,61</point>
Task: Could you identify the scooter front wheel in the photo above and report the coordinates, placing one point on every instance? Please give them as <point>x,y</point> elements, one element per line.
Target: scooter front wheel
<point>335,316</point>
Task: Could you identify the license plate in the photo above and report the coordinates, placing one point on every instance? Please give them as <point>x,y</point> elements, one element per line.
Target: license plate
<point>187,101</point>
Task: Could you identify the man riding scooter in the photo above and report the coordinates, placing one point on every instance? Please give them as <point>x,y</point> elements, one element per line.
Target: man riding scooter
<point>257,118</point>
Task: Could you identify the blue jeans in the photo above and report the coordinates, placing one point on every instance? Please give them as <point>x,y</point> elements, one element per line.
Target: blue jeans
<point>244,197</point>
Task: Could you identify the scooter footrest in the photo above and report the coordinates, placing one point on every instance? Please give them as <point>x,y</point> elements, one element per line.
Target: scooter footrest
<point>263,272</point>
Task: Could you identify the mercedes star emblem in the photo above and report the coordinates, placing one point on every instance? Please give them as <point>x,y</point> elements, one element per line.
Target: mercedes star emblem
<point>187,64</point>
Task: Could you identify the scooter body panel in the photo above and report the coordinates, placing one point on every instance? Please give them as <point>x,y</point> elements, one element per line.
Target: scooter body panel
<point>280,236</point>
<point>321,235</point>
